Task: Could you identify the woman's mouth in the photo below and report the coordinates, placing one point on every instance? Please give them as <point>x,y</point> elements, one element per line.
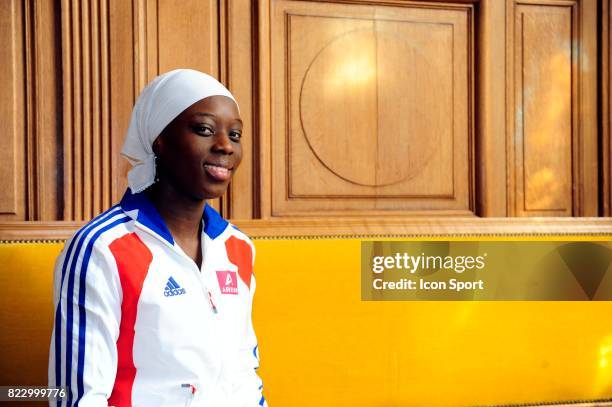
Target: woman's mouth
<point>218,172</point>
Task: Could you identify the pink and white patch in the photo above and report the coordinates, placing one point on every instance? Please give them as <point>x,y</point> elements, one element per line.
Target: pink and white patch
<point>228,282</point>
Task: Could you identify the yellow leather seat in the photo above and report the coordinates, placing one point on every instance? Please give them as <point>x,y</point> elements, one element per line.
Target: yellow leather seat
<point>321,345</point>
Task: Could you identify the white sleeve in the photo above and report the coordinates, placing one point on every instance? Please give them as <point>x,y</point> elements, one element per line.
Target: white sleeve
<point>87,301</point>
<point>250,386</point>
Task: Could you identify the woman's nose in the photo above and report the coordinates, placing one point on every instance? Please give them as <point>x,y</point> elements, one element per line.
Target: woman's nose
<point>222,143</point>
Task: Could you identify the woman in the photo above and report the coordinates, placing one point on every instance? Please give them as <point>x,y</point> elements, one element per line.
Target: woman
<point>153,297</point>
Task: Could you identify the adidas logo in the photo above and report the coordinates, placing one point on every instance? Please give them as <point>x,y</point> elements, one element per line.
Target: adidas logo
<point>172,288</point>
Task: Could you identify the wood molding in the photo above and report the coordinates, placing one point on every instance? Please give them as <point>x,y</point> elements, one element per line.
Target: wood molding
<point>31,143</point>
<point>237,72</point>
<point>146,42</point>
<point>605,112</point>
<point>607,151</point>
<point>122,87</point>
<point>491,113</point>
<point>588,173</point>
<point>86,80</point>
<point>425,227</point>
<point>575,172</point>
<point>46,125</point>
<point>12,112</point>
<point>389,168</point>
<point>264,112</point>
<point>30,163</point>
<point>446,4</point>
<point>361,227</point>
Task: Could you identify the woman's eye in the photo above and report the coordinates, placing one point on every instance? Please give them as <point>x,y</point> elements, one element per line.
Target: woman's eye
<point>204,130</point>
<point>235,135</point>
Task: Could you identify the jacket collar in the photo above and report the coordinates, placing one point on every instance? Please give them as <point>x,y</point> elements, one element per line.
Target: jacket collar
<point>138,207</point>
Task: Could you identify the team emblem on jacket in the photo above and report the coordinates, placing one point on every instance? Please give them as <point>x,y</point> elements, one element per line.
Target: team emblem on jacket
<point>227,282</point>
<point>173,288</point>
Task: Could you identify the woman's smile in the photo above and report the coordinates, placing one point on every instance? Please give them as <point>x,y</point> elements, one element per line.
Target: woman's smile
<point>218,172</point>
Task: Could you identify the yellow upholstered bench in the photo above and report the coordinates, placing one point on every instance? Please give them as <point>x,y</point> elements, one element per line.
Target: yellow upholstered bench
<point>320,345</point>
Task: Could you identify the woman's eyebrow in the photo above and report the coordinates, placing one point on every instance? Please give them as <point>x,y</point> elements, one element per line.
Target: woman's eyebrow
<point>213,116</point>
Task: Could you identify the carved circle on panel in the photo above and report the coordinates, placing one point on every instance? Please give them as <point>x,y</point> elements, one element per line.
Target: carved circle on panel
<point>366,107</point>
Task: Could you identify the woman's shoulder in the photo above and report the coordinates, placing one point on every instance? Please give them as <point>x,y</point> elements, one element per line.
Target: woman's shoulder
<point>235,231</point>
<point>107,225</point>
<point>215,225</point>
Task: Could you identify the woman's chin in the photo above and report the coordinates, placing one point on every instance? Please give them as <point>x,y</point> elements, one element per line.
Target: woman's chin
<point>213,191</point>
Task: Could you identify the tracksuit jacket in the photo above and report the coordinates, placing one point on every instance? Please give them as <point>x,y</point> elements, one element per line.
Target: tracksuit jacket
<point>138,324</point>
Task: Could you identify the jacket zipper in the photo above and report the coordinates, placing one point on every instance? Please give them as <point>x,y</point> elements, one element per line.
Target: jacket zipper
<point>192,391</point>
<point>207,292</point>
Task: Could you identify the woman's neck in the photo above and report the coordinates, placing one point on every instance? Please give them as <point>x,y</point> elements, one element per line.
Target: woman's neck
<point>183,215</point>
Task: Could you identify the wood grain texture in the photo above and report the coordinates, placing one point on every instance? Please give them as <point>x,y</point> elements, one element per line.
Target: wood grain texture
<point>12,113</point>
<point>605,155</point>
<point>551,133</point>
<point>237,72</point>
<point>188,35</point>
<point>32,147</point>
<point>607,152</point>
<point>32,161</point>
<point>361,227</point>
<point>146,42</point>
<point>544,137</point>
<point>48,122</point>
<point>121,88</point>
<point>264,108</point>
<point>421,144</point>
<point>86,78</point>
<point>372,109</point>
<point>491,141</point>
<point>588,177</point>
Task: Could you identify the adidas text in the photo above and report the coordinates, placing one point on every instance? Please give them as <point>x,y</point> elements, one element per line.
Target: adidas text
<point>174,291</point>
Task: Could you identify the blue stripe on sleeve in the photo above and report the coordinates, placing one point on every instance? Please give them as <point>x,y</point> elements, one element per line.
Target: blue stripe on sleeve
<point>70,296</point>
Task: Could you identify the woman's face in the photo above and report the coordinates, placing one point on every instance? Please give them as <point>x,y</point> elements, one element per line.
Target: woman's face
<point>199,151</point>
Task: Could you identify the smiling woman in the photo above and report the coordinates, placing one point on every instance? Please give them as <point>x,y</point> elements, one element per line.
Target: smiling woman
<point>153,297</point>
<point>206,136</point>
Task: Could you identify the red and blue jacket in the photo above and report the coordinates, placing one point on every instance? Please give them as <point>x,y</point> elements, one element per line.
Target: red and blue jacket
<point>137,323</point>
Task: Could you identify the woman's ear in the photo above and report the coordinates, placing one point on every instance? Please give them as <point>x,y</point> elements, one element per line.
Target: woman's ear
<point>157,146</point>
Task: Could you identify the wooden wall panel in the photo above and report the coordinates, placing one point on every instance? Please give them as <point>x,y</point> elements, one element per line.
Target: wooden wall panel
<point>607,145</point>
<point>587,199</point>
<point>31,163</point>
<point>43,43</point>
<point>491,146</point>
<point>188,35</point>
<point>12,112</point>
<point>124,73</point>
<point>605,89</point>
<point>86,79</point>
<point>146,43</point>
<point>553,161</point>
<point>427,136</point>
<point>237,65</point>
<point>544,70</point>
<point>371,109</point>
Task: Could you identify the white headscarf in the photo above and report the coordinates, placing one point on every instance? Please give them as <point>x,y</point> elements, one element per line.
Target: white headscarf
<point>160,102</point>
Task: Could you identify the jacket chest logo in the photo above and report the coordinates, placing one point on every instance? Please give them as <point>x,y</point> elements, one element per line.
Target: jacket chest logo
<point>173,288</point>
<point>228,284</point>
